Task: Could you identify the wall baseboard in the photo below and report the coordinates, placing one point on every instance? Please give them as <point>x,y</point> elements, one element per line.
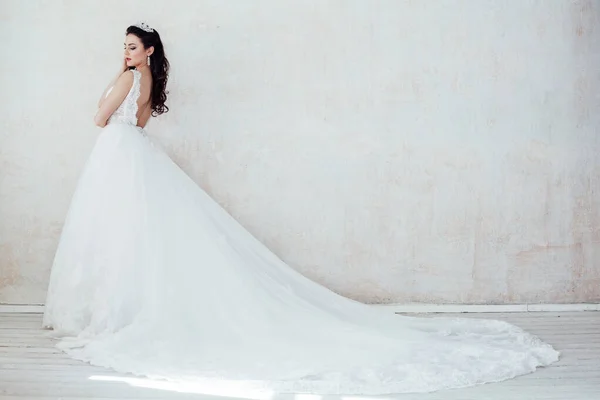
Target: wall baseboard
<point>488,308</point>
<point>412,308</point>
<point>21,308</point>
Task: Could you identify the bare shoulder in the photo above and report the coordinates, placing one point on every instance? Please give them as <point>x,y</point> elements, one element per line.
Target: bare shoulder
<point>124,82</point>
<point>146,77</point>
<point>126,78</point>
<point>146,83</point>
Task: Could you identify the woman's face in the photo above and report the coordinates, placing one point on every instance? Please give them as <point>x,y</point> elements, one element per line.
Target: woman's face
<point>135,53</point>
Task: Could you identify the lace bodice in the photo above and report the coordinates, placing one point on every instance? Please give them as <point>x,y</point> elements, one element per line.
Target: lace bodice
<point>127,111</point>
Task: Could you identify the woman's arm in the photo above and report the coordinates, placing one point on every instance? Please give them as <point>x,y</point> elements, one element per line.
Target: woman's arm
<point>112,83</point>
<point>114,99</point>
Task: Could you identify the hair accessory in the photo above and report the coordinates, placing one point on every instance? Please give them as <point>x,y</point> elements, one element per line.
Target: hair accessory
<point>144,26</point>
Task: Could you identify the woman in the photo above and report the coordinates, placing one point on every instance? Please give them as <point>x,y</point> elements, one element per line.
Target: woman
<point>152,277</point>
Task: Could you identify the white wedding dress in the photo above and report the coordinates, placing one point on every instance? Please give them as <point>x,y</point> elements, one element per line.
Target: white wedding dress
<point>153,277</point>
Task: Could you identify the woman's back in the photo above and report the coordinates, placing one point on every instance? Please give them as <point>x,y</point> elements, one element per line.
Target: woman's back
<point>135,109</point>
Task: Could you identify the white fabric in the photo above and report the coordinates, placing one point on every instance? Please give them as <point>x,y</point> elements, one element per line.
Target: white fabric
<point>152,277</point>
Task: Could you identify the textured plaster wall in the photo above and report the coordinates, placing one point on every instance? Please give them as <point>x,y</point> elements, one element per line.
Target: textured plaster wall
<point>432,151</point>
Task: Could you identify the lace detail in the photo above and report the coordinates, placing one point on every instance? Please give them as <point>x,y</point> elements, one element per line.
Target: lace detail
<point>127,111</point>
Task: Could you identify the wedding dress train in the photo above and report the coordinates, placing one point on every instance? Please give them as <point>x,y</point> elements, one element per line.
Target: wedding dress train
<point>153,277</point>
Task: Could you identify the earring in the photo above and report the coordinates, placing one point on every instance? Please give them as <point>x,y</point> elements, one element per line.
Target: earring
<point>148,60</point>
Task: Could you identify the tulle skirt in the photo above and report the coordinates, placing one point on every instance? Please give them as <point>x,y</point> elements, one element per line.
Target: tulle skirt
<point>153,277</point>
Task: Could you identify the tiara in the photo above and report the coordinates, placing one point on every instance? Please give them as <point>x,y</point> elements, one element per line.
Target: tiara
<point>144,26</point>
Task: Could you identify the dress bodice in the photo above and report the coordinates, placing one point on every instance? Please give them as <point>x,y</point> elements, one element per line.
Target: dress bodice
<point>127,111</point>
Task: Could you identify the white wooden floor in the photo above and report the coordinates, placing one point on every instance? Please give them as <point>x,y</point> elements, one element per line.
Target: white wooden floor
<point>30,368</point>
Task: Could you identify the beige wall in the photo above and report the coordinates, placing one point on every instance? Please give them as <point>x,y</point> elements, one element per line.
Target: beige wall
<point>432,151</point>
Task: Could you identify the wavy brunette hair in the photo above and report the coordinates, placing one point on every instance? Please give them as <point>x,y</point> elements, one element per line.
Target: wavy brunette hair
<point>159,67</point>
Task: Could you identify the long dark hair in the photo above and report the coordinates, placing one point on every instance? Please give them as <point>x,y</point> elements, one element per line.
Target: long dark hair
<point>159,67</point>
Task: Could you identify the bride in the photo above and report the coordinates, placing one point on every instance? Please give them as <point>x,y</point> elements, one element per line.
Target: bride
<point>153,277</point>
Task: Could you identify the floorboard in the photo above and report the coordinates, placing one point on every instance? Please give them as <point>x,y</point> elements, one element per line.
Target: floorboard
<point>31,368</point>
